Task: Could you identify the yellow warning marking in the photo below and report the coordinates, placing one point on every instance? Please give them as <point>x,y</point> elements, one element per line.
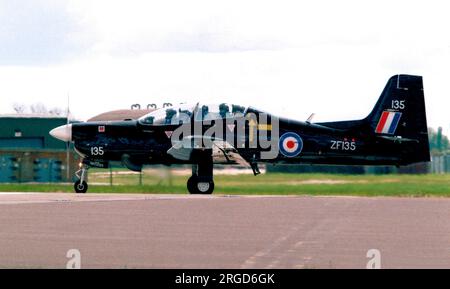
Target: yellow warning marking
<point>265,127</point>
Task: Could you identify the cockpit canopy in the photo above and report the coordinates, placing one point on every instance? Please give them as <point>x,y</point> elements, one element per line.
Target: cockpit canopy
<point>183,113</point>
<point>169,115</point>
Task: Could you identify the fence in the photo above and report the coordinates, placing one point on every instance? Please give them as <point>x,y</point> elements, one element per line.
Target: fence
<point>42,166</point>
<point>440,164</point>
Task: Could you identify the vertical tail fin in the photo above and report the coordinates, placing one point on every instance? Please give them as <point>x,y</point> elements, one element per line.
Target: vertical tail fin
<point>400,112</point>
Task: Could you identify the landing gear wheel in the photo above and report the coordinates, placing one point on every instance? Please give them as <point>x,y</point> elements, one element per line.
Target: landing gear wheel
<point>80,187</point>
<point>196,186</point>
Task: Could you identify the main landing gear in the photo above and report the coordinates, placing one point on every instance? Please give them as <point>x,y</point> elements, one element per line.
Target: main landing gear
<point>201,181</point>
<point>81,185</point>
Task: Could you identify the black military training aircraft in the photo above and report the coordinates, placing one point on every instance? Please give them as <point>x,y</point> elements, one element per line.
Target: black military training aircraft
<point>394,133</point>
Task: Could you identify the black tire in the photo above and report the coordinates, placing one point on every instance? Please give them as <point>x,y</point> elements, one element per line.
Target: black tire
<point>80,187</point>
<point>195,186</point>
<point>191,185</point>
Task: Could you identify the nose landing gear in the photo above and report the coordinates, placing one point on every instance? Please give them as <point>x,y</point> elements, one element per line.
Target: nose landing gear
<point>81,185</point>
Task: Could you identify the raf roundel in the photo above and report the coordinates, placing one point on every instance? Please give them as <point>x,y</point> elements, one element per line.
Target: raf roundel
<point>291,144</point>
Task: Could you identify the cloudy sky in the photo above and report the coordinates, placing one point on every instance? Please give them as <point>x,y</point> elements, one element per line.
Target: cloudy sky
<point>294,58</point>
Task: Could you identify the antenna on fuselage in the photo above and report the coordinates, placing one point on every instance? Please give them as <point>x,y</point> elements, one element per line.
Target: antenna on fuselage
<point>68,143</point>
<point>310,118</point>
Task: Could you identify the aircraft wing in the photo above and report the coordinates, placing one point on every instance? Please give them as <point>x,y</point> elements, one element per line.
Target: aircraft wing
<point>223,152</point>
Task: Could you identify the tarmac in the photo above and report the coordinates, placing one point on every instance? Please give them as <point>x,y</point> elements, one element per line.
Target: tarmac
<point>191,231</point>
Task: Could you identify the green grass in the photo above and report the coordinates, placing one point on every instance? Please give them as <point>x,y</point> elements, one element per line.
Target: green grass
<point>268,184</point>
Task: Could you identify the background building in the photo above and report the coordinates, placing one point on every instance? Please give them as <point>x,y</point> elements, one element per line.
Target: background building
<point>29,154</point>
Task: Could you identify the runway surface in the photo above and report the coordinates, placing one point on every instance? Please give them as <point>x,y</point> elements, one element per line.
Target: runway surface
<point>183,231</point>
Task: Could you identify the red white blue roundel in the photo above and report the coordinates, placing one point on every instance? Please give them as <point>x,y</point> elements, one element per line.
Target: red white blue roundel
<point>291,144</point>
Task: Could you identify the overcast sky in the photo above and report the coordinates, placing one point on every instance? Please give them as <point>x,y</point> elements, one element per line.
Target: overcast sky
<point>293,58</point>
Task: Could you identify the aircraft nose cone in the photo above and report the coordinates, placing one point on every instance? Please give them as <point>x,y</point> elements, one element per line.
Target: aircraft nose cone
<point>63,132</point>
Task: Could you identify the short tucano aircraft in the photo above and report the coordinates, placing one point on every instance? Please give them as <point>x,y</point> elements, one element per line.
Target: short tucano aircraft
<point>201,135</point>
